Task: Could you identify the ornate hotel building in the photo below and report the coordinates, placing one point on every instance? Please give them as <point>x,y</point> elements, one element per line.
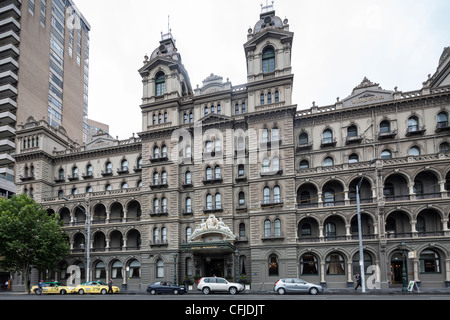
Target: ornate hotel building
<point>236,181</point>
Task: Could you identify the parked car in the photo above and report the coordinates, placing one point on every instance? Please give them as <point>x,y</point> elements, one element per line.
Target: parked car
<point>217,284</point>
<point>95,287</point>
<point>165,287</point>
<point>53,287</point>
<point>295,285</point>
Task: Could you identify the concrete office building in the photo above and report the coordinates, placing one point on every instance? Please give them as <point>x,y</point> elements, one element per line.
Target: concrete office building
<point>44,73</point>
<point>236,181</point>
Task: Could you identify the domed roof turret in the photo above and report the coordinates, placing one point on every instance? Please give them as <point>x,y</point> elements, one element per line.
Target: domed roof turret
<point>268,20</point>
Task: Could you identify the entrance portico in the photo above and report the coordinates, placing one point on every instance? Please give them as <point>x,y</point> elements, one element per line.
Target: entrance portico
<point>212,247</point>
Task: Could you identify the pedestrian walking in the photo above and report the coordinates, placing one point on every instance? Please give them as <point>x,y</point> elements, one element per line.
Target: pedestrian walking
<point>40,286</point>
<point>110,285</point>
<point>358,281</point>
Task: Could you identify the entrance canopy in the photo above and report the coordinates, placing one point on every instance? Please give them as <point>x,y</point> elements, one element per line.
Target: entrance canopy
<point>211,236</point>
<point>219,247</point>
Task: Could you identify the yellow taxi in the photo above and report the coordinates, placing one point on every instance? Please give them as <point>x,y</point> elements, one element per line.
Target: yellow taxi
<point>95,287</point>
<point>53,287</point>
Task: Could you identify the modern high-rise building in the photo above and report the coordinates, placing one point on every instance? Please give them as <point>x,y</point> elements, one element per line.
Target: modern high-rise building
<point>44,73</point>
<point>236,181</point>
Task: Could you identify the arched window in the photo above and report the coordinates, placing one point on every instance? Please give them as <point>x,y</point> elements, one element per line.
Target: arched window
<point>242,230</point>
<point>155,178</point>
<point>276,194</point>
<point>442,119</point>
<point>188,177</point>
<point>134,269</point>
<point>160,269</point>
<point>241,198</point>
<point>188,205</point>
<point>273,265</point>
<point>277,228</point>
<point>385,126</point>
<point>304,164</point>
<point>308,264</point>
<point>208,202</point>
<point>208,173</point>
<point>261,99</point>
<point>414,151</point>
<point>108,167</point>
<point>303,139</point>
<point>116,270</point>
<point>327,136</point>
<point>277,96</point>
<point>276,164</point>
<point>266,195</point>
<point>353,158</point>
<point>352,131</point>
<point>188,233</point>
<point>328,161</point>
<point>124,185</point>
<point>124,165</point>
<point>413,124</point>
<point>61,174</point>
<point>218,201</point>
<point>164,177</point>
<point>443,147</point>
<point>268,60</point>
<point>156,205</point>
<point>429,262</point>
<point>334,264</point>
<point>266,165</point>
<point>275,134</point>
<point>269,97</point>
<point>241,170</point>
<point>329,197</point>
<point>155,152</point>
<point>100,271</point>
<point>160,82</point>
<point>267,228</point>
<point>164,205</point>
<point>386,154</point>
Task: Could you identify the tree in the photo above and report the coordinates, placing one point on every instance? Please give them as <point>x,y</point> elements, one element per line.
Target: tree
<point>30,237</point>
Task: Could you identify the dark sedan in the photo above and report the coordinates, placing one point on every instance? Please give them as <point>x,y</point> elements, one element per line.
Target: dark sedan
<point>165,287</point>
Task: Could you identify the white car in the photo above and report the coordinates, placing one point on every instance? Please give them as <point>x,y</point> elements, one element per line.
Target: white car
<point>217,284</point>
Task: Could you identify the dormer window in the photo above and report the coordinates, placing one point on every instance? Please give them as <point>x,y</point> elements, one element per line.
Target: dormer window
<point>268,60</point>
<point>160,84</point>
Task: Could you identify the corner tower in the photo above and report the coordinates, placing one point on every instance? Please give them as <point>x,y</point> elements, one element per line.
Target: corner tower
<point>165,81</point>
<point>268,47</point>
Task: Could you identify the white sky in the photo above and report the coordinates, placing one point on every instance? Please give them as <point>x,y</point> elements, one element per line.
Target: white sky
<point>336,44</point>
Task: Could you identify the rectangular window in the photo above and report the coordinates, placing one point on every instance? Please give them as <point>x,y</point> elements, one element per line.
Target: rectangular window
<point>31,7</point>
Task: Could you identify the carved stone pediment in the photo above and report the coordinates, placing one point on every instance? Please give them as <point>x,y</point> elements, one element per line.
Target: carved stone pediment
<point>212,230</point>
<point>99,141</point>
<point>367,92</point>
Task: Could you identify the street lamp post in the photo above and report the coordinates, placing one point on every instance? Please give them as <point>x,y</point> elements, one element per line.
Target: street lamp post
<point>404,275</point>
<point>88,246</point>
<point>175,268</point>
<point>361,251</point>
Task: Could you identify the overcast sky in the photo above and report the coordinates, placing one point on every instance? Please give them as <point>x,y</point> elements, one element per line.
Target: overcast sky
<point>337,43</point>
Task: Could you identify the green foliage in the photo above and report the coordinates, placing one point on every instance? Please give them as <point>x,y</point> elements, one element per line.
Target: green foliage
<point>30,236</point>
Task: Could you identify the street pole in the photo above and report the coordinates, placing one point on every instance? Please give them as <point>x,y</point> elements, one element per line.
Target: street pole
<point>88,250</point>
<point>175,268</point>
<point>361,252</point>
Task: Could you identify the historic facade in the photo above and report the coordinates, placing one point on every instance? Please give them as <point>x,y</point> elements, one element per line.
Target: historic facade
<point>235,181</point>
